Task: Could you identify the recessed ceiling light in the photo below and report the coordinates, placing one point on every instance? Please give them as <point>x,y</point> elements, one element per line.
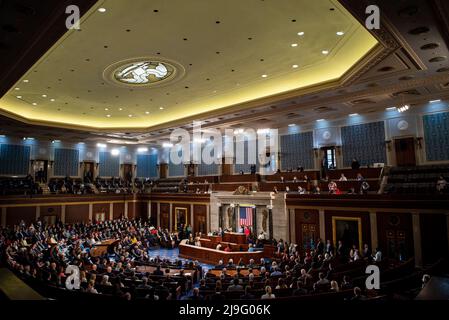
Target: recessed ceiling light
<point>325,52</point>
<point>120,109</point>
<point>52,100</point>
<point>44,96</point>
<point>390,108</point>
<point>295,66</point>
<point>130,115</point>
<point>353,114</point>
<point>301,33</point>
<point>292,125</point>
<point>294,44</point>
<point>19,97</point>
<point>101,145</point>
<point>102,10</point>
<point>433,101</point>
<point>264,76</point>
<point>26,81</point>
<point>108,115</point>
<point>106,109</point>
<point>34,104</point>
<point>340,33</point>
<point>16,88</point>
<point>319,120</point>
<point>56,141</point>
<point>147,112</point>
<point>161,108</point>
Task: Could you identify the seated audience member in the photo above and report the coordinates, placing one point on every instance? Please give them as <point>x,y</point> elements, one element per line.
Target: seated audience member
<point>366,253</point>
<point>345,284</point>
<point>105,281</point>
<point>91,287</point>
<point>316,190</point>
<point>300,289</point>
<point>196,295</point>
<point>268,294</point>
<point>230,264</point>
<point>343,177</point>
<point>217,296</point>
<point>228,248</point>
<point>332,186</point>
<point>218,247</point>
<point>351,191</point>
<point>248,295</point>
<point>355,165</point>
<point>358,294</point>
<point>364,187</point>
<point>377,255</point>
<point>425,280</point>
<point>158,271</point>
<point>281,284</point>
<point>287,189</point>
<point>282,179</point>
<point>322,282</point>
<point>235,286</point>
<point>301,190</point>
<point>220,265</point>
<point>275,189</point>
<point>334,286</point>
<point>359,177</point>
<point>441,184</point>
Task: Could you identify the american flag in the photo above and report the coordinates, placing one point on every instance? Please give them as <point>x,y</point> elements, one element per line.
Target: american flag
<point>246,216</point>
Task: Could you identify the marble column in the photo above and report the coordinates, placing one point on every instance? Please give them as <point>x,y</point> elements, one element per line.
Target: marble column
<point>111,211</point>
<point>91,207</point>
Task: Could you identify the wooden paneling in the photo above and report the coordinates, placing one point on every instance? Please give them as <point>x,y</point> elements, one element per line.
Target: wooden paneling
<point>137,210</point>
<point>200,218</point>
<point>119,210</point>
<point>433,237</point>
<point>51,211</point>
<point>77,213</point>
<point>395,234</point>
<point>307,227</point>
<point>165,215</point>
<point>15,214</point>
<point>100,208</point>
<point>153,218</point>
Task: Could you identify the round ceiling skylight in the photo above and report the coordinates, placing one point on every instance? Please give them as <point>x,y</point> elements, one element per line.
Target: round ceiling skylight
<point>143,72</point>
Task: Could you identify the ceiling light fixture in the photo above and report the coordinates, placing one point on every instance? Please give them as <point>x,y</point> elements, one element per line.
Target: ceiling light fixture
<point>130,115</point>
<point>390,108</point>
<point>264,76</point>
<point>106,109</point>
<point>294,44</point>
<point>120,109</point>
<point>161,108</point>
<point>52,100</point>
<point>108,115</point>
<point>143,149</point>
<point>404,108</point>
<point>353,114</point>
<point>434,101</point>
<point>320,120</point>
<point>301,33</point>
<point>101,145</point>
<point>56,141</point>
<point>167,145</point>
<point>295,66</point>
<point>44,96</point>
<point>102,10</point>
<point>292,125</point>
<point>34,104</point>
<point>325,52</point>
<point>340,33</point>
<point>238,131</point>
<point>19,97</point>
<point>147,112</point>
<point>26,81</point>
<point>115,152</point>
<point>16,88</point>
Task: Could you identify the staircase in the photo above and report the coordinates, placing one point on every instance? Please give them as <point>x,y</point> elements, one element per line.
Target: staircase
<point>45,188</point>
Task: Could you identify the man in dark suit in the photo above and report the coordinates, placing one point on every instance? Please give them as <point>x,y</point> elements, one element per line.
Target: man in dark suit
<point>158,271</point>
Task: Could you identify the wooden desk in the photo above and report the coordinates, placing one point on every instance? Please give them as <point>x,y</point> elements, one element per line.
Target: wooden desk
<point>234,237</point>
<point>212,256</point>
<point>173,272</point>
<point>232,272</point>
<point>101,248</point>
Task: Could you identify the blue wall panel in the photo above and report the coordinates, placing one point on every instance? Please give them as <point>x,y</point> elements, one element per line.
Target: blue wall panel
<point>14,159</point>
<point>365,142</point>
<point>109,165</point>
<point>297,150</point>
<point>147,165</point>
<point>436,135</point>
<point>66,162</point>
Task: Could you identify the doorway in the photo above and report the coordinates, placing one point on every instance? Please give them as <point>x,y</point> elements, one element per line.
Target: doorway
<point>40,170</point>
<point>405,152</point>
<point>88,174</point>
<point>128,172</point>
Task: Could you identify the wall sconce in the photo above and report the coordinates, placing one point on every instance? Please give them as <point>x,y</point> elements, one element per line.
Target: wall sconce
<point>419,142</point>
<point>388,144</point>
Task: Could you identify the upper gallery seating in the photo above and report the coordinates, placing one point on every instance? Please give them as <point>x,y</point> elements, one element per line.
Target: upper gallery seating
<point>18,186</point>
<point>168,185</point>
<point>418,180</point>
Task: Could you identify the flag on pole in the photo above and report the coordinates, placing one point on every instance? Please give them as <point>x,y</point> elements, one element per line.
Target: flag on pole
<point>246,216</point>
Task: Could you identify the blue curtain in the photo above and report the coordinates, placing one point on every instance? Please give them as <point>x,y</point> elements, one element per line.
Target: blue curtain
<point>14,159</point>
<point>66,162</point>
<point>436,135</point>
<point>109,165</point>
<point>297,151</point>
<point>147,165</point>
